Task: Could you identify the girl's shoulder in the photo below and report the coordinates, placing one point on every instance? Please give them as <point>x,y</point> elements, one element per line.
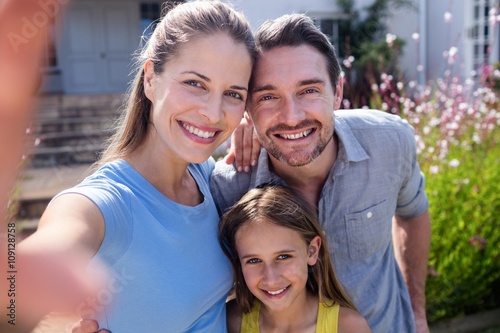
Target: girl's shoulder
<point>233,316</point>
<point>351,321</point>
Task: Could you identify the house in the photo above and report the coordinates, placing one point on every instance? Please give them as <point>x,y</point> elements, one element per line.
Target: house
<point>92,45</point>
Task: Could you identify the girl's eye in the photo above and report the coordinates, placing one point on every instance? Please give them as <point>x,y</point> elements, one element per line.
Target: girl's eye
<point>253,261</point>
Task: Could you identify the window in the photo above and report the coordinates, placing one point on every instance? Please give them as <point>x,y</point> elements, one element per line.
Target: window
<point>150,12</point>
<point>480,32</point>
<point>330,28</point>
<point>50,55</point>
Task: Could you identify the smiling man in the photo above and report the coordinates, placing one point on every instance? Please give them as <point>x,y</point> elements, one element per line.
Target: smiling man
<point>358,167</point>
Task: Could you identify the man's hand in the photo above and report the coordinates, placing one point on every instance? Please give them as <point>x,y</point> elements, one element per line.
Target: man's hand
<point>245,146</point>
<point>412,239</point>
<point>421,324</point>
<point>87,326</point>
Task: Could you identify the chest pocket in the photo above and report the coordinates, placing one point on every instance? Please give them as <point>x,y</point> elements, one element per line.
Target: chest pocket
<point>368,232</point>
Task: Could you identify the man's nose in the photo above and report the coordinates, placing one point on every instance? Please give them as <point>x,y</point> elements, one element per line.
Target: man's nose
<point>291,111</point>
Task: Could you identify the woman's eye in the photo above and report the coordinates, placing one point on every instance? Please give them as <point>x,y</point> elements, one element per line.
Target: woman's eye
<point>236,95</point>
<point>283,256</point>
<point>253,261</point>
<point>194,83</point>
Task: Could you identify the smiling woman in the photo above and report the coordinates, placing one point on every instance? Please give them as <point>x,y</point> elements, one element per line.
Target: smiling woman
<point>147,208</point>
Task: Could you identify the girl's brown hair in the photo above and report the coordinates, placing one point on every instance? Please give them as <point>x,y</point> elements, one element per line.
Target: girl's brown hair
<point>285,207</point>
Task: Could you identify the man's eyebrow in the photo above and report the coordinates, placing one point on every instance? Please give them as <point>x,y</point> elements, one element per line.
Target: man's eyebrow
<point>269,87</point>
<point>266,87</point>
<point>311,81</point>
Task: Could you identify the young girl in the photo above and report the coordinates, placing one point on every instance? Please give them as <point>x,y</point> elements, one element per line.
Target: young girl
<point>284,279</point>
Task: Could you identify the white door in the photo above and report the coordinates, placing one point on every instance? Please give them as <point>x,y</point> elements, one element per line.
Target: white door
<point>99,40</point>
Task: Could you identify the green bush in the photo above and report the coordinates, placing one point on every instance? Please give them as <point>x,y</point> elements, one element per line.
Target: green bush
<point>456,127</point>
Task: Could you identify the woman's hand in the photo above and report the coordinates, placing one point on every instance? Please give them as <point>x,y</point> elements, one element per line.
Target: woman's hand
<point>245,146</point>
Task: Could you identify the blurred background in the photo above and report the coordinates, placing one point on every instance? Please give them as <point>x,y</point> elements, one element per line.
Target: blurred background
<point>434,63</point>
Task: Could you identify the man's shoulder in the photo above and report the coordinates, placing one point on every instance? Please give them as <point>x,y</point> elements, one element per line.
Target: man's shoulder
<point>365,121</point>
<point>368,118</point>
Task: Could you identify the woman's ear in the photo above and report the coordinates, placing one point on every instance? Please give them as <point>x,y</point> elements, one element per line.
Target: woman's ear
<point>313,249</point>
<point>149,79</point>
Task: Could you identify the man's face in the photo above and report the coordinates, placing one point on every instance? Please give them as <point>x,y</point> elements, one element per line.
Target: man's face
<point>291,103</point>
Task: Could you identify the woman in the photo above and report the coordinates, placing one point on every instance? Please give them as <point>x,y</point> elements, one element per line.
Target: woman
<point>147,212</point>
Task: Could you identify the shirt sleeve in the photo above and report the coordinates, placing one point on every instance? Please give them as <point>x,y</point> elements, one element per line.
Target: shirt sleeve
<point>412,199</point>
<point>114,205</point>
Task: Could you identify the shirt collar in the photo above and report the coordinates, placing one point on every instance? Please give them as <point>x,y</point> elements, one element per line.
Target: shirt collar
<point>350,150</point>
<point>348,142</point>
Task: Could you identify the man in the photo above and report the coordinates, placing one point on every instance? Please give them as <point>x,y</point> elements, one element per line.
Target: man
<point>358,167</point>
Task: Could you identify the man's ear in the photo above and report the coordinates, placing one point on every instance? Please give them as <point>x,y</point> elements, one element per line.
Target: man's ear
<point>149,79</point>
<point>313,250</point>
<point>339,93</point>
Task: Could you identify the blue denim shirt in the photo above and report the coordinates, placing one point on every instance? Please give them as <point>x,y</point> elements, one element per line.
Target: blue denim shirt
<point>376,175</point>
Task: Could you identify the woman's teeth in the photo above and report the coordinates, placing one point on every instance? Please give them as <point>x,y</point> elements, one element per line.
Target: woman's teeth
<point>198,132</point>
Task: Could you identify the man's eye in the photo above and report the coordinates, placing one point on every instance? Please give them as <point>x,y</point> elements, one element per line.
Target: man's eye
<point>266,98</point>
<point>310,91</point>
<point>283,256</point>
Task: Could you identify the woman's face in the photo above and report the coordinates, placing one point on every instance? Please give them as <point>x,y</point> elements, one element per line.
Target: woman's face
<point>199,98</point>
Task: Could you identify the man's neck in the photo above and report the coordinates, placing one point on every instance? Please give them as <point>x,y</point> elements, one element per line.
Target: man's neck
<point>308,179</point>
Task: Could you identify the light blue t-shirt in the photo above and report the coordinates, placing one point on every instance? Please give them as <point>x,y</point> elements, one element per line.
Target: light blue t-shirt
<point>376,175</point>
<point>169,272</point>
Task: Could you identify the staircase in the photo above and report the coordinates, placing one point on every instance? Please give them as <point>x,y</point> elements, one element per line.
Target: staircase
<point>67,135</point>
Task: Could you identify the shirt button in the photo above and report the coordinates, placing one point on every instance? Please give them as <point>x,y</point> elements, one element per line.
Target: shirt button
<point>369,215</point>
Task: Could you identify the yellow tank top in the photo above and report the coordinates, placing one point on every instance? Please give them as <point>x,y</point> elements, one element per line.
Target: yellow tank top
<point>327,322</point>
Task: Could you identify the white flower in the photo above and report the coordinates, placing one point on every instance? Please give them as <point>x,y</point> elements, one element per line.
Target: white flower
<point>434,169</point>
<point>390,38</point>
<point>454,163</point>
<point>447,17</point>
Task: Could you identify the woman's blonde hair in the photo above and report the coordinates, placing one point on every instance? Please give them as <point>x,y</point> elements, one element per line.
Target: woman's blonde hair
<point>284,207</point>
<point>181,24</point>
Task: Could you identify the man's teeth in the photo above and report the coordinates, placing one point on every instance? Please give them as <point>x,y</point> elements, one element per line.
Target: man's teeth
<point>296,136</point>
<point>276,292</point>
<point>198,132</point>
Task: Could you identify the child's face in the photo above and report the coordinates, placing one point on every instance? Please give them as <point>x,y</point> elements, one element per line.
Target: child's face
<point>274,262</point>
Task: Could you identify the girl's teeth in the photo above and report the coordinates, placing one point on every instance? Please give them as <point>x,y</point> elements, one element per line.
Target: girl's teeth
<point>276,292</point>
<point>198,132</point>
<point>296,136</point>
